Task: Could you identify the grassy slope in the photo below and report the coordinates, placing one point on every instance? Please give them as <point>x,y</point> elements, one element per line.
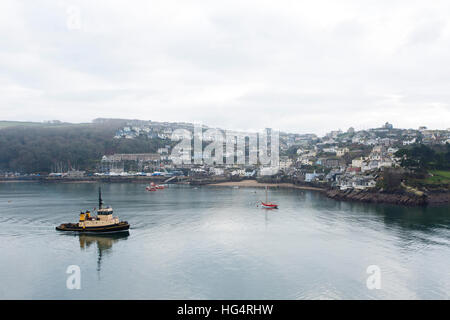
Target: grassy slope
<point>439,177</point>
<point>7,124</point>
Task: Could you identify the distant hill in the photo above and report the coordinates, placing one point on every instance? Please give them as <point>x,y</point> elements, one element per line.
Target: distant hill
<point>41,147</point>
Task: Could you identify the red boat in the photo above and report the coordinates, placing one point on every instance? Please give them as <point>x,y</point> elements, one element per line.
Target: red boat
<point>154,187</point>
<point>268,205</point>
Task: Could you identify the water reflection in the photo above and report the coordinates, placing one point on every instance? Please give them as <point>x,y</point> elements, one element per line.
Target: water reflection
<point>411,224</point>
<point>216,243</point>
<point>104,243</point>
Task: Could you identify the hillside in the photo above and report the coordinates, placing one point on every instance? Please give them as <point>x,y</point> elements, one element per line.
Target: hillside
<point>9,124</point>
<point>28,147</point>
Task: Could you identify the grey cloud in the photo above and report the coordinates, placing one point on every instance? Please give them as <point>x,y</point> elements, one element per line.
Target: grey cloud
<point>298,66</point>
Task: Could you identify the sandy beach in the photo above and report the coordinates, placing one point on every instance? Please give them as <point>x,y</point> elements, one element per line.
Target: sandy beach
<point>254,183</point>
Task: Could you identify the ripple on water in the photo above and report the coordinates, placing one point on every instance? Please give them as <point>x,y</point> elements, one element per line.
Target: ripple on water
<point>215,243</point>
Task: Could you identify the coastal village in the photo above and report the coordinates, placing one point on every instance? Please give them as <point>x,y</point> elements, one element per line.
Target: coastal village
<point>347,160</point>
<point>342,160</point>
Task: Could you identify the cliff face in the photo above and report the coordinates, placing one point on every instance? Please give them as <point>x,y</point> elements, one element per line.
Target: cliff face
<point>378,197</point>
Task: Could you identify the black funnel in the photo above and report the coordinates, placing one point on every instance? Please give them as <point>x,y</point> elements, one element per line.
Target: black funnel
<point>100,201</point>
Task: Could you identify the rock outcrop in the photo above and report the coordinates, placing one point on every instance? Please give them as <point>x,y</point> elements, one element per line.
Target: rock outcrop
<point>372,196</point>
<point>438,198</point>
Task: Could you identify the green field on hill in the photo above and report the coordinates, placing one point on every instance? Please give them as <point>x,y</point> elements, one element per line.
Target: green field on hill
<point>7,124</point>
<point>438,177</point>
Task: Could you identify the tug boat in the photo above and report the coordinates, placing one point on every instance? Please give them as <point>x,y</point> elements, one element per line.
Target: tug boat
<point>103,222</point>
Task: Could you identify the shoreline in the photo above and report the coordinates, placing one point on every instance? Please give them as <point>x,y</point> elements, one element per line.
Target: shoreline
<point>362,196</point>
<point>256,184</point>
<point>112,179</point>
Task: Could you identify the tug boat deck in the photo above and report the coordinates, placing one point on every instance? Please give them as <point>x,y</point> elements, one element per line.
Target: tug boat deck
<point>121,226</point>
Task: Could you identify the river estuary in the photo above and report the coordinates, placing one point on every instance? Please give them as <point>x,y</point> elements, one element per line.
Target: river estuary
<point>216,243</point>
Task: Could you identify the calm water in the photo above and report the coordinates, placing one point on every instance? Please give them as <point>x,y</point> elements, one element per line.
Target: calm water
<point>214,243</point>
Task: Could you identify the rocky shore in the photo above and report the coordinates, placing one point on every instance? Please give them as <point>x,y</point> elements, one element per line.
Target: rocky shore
<point>368,196</point>
<point>408,199</point>
<point>439,198</point>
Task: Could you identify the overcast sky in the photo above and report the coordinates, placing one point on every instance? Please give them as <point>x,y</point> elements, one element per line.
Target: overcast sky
<point>299,66</point>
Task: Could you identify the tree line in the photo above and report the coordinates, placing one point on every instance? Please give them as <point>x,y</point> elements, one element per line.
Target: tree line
<point>422,157</point>
<point>31,149</point>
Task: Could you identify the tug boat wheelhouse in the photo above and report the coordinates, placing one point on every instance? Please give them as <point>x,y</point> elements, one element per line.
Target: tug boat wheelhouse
<point>103,222</point>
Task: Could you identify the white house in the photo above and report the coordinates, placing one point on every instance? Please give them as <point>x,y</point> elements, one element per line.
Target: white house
<point>269,171</point>
<point>217,171</point>
<point>358,163</point>
<point>408,142</point>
